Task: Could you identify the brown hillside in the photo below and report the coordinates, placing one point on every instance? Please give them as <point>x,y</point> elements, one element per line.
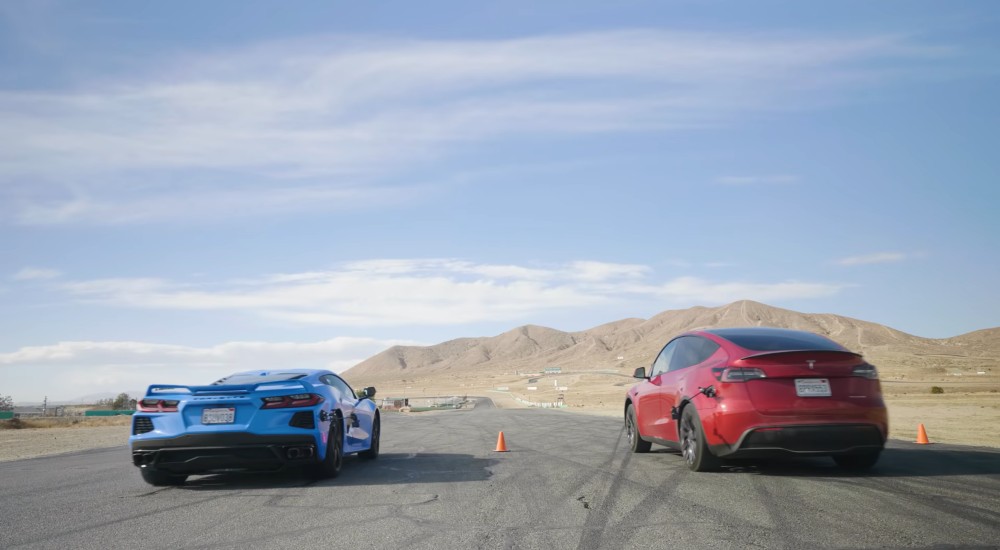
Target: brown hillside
<point>637,341</point>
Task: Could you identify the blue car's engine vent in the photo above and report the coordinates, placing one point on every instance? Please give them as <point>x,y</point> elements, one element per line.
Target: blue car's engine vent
<point>303,419</point>
<point>141,425</point>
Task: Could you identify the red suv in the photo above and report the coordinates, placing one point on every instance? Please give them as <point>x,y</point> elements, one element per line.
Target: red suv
<point>758,392</point>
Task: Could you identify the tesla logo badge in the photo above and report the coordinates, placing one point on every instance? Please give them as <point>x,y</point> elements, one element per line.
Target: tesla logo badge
<point>811,363</point>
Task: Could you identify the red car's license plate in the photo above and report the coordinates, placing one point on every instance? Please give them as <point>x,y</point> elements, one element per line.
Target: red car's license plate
<point>812,387</point>
<point>218,416</point>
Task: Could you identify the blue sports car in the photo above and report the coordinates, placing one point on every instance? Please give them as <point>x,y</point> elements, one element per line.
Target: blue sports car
<point>253,421</point>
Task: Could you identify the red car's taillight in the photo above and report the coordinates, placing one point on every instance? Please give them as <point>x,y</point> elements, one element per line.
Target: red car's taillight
<point>157,405</point>
<point>296,400</point>
<point>865,371</point>
<point>735,374</point>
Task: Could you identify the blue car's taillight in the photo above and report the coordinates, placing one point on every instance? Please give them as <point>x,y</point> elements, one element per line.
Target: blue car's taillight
<point>157,405</point>
<point>295,400</point>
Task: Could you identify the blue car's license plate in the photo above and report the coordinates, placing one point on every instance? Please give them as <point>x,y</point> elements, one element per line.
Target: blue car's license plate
<point>218,416</point>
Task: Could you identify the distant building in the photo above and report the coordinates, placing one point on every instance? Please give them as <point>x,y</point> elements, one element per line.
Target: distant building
<point>394,403</point>
<point>28,412</point>
<point>553,370</point>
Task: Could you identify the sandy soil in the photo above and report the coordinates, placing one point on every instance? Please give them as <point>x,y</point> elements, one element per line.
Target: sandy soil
<point>32,442</point>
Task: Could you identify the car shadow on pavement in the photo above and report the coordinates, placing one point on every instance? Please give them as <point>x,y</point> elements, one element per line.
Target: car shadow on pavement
<point>900,459</point>
<point>388,468</point>
<point>895,462</point>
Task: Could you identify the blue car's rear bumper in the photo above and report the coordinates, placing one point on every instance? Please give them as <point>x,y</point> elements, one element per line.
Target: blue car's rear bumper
<point>206,453</point>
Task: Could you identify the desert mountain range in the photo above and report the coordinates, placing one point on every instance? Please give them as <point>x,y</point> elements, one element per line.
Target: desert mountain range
<point>628,343</point>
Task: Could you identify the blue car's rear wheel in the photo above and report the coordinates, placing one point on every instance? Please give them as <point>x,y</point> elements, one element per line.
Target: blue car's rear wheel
<point>159,478</point>
<point>330,465</point>
<point>372,452</point>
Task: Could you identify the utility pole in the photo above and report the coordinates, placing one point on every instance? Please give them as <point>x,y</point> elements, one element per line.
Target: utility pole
<point>45,406</point>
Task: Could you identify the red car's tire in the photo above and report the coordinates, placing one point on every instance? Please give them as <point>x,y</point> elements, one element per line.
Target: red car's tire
<point>635,441</point>
<point>694,448</point>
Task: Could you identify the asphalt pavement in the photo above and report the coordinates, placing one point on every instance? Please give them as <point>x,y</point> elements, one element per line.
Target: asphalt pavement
<point>567,482</point>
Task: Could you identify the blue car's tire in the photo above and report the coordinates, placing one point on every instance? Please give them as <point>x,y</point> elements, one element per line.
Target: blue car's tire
<point>330,466</point>
<point>157,478</point>
<point>372,452</point>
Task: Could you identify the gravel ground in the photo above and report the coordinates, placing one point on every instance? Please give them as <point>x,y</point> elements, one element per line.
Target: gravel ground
<point>32,442</point>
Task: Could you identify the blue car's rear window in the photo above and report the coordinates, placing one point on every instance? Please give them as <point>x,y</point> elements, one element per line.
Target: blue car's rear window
<point>257,378</point>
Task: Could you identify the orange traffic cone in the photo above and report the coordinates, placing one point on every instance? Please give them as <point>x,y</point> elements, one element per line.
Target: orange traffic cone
<point>501,444</point>
<point>922,435</point>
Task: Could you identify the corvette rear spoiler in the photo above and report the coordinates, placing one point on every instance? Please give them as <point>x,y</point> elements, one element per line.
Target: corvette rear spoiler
<point>782,352</point>
<point>160,389</point>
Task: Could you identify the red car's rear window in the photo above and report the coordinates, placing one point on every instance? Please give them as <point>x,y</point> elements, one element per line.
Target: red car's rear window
<point>778,340</point>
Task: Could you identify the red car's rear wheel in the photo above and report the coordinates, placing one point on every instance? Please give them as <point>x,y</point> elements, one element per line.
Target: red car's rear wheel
<point>694,448</point>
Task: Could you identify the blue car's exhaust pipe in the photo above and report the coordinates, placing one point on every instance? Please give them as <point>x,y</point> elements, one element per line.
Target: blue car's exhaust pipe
<point>299,453</point>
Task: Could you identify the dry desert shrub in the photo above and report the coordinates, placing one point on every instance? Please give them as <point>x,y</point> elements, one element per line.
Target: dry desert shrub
<point>12,424</point>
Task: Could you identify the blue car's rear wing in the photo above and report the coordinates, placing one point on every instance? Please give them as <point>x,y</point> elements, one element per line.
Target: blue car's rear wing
<point>243,389</point>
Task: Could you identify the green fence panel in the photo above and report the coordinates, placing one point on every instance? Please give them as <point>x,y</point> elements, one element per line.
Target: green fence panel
<point>6,415</point>
<point>108,413</point>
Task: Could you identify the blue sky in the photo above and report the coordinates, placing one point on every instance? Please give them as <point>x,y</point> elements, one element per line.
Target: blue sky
<point>190,188</point>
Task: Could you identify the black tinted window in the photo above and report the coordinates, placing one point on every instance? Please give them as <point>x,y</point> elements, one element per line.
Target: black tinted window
<point>779,340</point>
<point>345,391</point>
<point>692,350</point>
<point>241,379</point>
<point>663,359</point>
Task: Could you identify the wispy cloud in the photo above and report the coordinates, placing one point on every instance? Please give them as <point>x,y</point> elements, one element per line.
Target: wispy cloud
<point>36,274</point>
<point>309,123</point>
<point>696,290</point>
<point>336,353</point>
<point>876,258</point>
<point>74,369</point>
<point>248,201</point>
<point>431,292</point>
<point>776,179</point>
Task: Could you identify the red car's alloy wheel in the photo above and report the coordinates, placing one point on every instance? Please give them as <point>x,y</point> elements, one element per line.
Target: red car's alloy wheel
<point>694,449</point>
<point>635,442</point>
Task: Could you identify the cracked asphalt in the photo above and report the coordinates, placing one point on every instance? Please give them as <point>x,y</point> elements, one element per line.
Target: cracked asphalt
<point>567,482</point>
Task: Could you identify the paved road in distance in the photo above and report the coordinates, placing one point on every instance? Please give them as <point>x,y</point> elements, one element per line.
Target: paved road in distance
<point>568,482</point>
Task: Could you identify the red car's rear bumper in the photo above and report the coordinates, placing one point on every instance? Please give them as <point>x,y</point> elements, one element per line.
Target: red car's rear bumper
<point>736,429</point>
<point>824,439</point>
